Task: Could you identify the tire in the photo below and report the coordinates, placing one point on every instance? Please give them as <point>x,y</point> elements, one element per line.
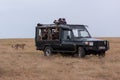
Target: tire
<point>81,52</point>
<point>102,54</point>
<point>48,51</point>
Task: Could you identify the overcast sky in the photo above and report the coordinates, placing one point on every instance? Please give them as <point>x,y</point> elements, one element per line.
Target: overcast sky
<point>18,18</point>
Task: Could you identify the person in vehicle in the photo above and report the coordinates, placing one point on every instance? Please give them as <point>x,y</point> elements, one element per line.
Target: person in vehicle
<point>56,22</point>
<point>60,21</point>
<point>64,21</point>
<point>45,34</point>
<point>55,34</point>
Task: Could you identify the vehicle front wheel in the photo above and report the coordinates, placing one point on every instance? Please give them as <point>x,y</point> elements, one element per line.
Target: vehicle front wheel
<point>48,51</point>
<point>102,54</point>
<point>81,52</point>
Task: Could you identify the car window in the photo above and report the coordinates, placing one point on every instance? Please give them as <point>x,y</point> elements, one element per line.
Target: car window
<point>55,33</point>
<point>66,34</point>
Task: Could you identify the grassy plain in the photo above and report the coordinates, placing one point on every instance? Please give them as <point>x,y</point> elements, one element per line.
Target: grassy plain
<point>29,64</point>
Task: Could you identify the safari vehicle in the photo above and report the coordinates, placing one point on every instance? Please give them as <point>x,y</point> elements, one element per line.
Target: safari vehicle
<point>68,38</point>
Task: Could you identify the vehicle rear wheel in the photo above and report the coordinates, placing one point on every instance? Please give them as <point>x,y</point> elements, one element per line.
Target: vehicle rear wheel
<point>48,51</point>
<point>81,52</point>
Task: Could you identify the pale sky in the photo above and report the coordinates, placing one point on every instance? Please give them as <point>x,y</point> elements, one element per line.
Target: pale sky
<point>18,18</point>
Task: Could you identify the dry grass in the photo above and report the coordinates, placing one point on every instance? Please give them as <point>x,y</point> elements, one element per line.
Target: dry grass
<point>29,64</point>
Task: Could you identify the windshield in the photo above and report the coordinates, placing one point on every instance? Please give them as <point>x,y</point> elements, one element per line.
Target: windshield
<point>78,33</point>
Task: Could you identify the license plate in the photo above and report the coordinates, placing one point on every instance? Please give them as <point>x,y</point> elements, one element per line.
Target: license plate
<point>102,47</point>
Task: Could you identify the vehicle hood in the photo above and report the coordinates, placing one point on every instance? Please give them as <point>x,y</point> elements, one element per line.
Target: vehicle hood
<point>88,39</point>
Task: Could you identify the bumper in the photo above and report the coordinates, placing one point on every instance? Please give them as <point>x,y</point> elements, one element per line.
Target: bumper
<point>97,49</point>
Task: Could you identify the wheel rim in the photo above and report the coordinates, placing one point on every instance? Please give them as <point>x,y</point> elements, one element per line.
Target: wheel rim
<point>48,52</point>
<point>79,54</point>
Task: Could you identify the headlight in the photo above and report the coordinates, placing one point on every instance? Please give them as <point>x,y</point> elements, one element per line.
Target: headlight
<point>86,43</point>
<point>89,43</point>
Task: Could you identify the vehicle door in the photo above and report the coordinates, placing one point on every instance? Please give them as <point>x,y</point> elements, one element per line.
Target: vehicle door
<point>67,43</point>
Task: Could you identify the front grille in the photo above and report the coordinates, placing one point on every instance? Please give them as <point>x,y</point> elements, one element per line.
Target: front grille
<point>99,46</point>
<point>99,43</point>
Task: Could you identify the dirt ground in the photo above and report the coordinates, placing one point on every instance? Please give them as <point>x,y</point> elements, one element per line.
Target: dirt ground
<point>29,64</point>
